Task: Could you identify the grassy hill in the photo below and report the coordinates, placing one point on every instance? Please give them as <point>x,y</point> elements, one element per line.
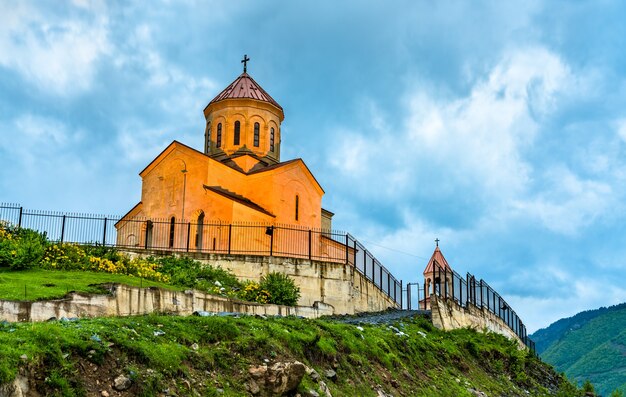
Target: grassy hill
<point>590,345</point>
<point>545,337</point>
<point>211,356</point>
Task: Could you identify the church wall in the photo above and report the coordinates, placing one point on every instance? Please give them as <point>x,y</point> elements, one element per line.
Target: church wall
<point>276,190</point>
<point>164,186</point>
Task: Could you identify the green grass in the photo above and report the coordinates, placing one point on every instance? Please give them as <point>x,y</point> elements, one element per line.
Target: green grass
<point>213,353</point>
<point>37,284</point>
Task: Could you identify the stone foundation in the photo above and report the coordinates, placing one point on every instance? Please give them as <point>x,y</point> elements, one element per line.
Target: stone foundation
<point>337,284</point>
<point>128,301</point>
<point>448,315</point>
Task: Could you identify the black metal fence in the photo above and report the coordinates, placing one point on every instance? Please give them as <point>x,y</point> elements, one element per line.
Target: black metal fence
<point>207,237</point>
<point>467,290</point>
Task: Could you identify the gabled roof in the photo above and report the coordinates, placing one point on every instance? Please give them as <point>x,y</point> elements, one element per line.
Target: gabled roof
<point>286,163</point>
<point>244,86</point>
<point>439,259</point>
<point>238,198</point>
<point>168,149</point>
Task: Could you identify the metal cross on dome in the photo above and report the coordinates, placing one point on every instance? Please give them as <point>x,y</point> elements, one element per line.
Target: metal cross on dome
<point>437,241</point>
<point>245,62</point>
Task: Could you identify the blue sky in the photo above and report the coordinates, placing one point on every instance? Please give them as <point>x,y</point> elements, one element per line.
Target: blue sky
<point>498,127</point>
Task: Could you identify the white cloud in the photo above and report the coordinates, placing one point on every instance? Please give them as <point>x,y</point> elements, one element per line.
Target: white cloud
<point>58,55</point>
<point>31,138</point>
<point>621,128</point>
<point>568,203</point>
<point>478,146</point>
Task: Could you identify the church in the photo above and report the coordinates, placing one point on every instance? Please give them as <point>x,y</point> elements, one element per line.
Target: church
<point>237,178</point>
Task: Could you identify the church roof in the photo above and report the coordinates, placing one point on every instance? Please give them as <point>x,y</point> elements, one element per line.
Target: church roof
<point>439,259</point>
<point>244,86</point>
<point>238,198</point>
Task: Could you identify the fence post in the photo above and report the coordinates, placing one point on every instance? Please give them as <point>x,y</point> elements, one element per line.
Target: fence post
<point>310,244</point>
<point>401,305</point>
<point>188,234</point>
<point>445,282</point>
<point>104,233</point>
<point>408,296</point>
<point>365,264</point>
<point>467,289</point>
<point>348,251</point>
<point>230,235</point>
<point>63,228</point>
<point>19,220</point>
<point>481,293</point>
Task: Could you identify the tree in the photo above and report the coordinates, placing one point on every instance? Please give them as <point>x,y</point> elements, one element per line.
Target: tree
<point>588,387</point>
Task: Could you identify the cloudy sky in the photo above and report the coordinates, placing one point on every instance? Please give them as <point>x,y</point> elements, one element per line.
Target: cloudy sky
<point>498,127</point>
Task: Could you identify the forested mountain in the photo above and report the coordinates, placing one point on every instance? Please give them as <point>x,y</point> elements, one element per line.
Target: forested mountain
<point>590,345</point>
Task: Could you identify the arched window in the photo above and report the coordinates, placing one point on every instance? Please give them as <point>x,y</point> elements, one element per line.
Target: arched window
<point>149,227</point>
<point>272,139</point>
<point>207,139</point>
<point>237,132</point>
<point>219,135</point>
<point>297,206</point>
<point>199,231</point>
<point>172,227</point>
<point>257,127</point>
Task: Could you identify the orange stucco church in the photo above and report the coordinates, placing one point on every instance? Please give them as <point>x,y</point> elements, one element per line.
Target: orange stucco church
<point>238,177</point>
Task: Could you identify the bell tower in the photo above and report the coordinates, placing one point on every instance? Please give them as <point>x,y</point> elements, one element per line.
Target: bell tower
<point>243,119</point>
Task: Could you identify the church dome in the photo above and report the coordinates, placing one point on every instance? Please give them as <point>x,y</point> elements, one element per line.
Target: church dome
<point>244,86</point>
<point>243,119</point>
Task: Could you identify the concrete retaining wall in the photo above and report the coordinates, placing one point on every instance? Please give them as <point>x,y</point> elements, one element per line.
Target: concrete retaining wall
<point>125,301</point>
<point>337,284</point>
<point>448,315</point>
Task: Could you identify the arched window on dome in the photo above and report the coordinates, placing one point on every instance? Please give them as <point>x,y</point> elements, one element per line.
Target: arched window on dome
<point>207,139</point>
<point>237,132</point>
<point>272,139</point>
<point>257,127</point>
<point>219,135</point>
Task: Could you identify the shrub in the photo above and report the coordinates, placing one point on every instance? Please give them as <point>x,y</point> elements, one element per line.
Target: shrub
<point>252,292</point>
<point>21,248</point>
<point>282,290</point>
<point>186,272</point>
<point>65,256</point>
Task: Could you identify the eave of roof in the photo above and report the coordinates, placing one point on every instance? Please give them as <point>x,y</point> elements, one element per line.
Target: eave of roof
<point>238,198</point>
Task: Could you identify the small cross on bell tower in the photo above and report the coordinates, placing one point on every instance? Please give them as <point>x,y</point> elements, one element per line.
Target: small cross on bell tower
<point>245,63</point>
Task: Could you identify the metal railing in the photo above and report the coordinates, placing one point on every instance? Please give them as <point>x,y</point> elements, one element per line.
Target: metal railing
<point>467,290</point>
<point>207,237</point>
